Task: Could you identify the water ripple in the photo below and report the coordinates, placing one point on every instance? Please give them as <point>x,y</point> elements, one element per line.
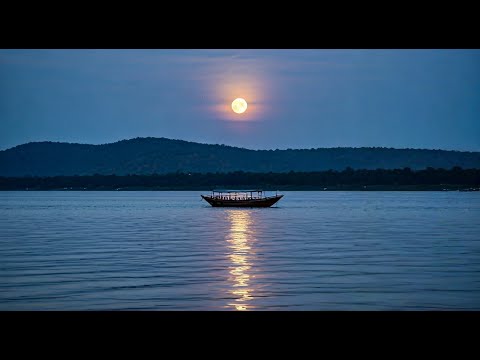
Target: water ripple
<point>171,251</point>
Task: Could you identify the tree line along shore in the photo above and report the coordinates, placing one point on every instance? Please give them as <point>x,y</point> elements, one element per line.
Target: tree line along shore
<point>427,179</point>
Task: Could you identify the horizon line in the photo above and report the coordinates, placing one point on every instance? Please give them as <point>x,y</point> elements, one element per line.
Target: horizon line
<point>232,146</point>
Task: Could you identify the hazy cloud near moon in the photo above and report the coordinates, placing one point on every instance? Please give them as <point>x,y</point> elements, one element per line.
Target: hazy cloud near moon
<point>296,98</point>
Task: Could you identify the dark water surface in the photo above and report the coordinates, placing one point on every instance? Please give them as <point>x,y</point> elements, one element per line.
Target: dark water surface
<point>317,250</point>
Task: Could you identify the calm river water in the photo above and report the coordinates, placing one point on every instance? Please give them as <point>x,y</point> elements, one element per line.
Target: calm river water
<point>316,250</point>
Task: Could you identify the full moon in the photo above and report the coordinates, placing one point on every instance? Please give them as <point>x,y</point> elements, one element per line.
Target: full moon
<point>239,105</point>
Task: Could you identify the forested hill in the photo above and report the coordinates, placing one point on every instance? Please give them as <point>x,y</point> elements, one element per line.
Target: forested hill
<point>161,156</point>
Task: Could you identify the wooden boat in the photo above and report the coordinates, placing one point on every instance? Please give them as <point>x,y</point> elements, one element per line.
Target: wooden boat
<point>241,198</point>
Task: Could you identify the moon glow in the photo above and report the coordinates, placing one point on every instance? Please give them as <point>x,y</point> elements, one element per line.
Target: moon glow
<point>239,105</point>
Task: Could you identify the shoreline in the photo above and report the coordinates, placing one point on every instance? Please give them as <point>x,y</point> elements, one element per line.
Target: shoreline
<point>442,188</point>
<point>429,179</point>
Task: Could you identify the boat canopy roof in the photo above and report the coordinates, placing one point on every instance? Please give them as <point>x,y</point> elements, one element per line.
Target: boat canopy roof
<point>236,191</point>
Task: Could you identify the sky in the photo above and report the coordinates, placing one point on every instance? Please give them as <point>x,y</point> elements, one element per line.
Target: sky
<point>296,98</point>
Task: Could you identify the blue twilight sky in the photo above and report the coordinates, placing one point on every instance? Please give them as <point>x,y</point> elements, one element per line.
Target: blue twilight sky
<point>296,98</point>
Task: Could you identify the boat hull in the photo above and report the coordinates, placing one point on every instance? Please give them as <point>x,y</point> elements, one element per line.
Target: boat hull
<point>263,202</point>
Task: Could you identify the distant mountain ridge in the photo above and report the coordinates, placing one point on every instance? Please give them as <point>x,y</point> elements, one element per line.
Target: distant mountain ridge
<point>161,155</point>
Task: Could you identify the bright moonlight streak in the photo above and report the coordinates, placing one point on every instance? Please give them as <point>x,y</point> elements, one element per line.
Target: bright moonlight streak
<point>239,105</point>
